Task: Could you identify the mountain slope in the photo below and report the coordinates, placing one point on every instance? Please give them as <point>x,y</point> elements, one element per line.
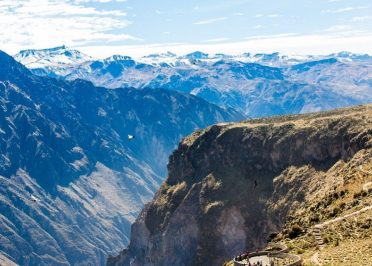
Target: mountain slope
<point>71,181</point>
<point>231,186</point>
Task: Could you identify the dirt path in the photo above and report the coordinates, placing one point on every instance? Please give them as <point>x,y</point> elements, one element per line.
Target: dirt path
<point>343,217</point>
<point>318,228</point>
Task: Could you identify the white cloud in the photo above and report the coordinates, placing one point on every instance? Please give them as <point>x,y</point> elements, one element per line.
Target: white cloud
<point>268,16</point>
<point>210,21</point>
<point>344,9</point>
<point>362,18</point>
<point>273,16</point>
<point>272,36</point>
<point>46,23</point>
<point>100,1</point>
<point>336,28</point>
<point>217,40</point>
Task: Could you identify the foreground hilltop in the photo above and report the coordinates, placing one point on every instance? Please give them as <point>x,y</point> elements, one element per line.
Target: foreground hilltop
<point>233,186</point>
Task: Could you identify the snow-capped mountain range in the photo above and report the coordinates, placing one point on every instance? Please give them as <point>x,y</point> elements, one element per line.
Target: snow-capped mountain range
<point>253,84</point>
<point>63,55</point>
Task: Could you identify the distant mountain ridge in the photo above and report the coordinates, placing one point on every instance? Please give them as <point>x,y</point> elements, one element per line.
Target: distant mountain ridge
<point>71,181</point>
<point>253,84</point>
<point>76,57</point>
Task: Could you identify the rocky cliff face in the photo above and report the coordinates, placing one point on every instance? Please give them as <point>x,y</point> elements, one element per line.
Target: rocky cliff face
<point>231,185</point>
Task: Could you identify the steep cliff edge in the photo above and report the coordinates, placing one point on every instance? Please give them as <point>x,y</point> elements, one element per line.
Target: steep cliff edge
<point>231,185</point>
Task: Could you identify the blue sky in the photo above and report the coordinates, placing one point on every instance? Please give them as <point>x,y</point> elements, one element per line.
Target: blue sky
<point>138,27</point>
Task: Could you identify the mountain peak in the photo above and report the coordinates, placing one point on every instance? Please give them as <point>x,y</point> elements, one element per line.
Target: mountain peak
<point>161,55</point>
<point>45,50</point>
<point>60,55</point>
<point>345,55</point>
<point>118,58</point>
<point>197,55</point>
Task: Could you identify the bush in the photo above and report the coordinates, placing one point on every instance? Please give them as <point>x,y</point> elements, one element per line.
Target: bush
<point>279,237</point>
<point>300,251</point>
<point>354,203</point>
<point>365,225</point>
<point>295,231</point>
<point>326,239</point>
<point>314,218</point>
<point>334,212</point>
<point>272,236</point>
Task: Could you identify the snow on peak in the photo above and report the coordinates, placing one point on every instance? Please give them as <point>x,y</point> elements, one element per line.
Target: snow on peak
<point>51,57</point>
<point>197,55</point>
<point>162,55</point>
<point>349,56</point>
<point>118,58</point>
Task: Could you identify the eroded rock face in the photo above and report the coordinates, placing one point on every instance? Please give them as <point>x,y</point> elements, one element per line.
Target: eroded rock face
<point>231,185</point>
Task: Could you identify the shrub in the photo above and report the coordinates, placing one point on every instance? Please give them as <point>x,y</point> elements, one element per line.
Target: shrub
<point>314,218</point>
<point>354,203</point>
<point>365,225</point>
<point>300,251</point>
<point>326,238</point>
<point>295,231</point>
<point>272,236</point>
<point>334,212</point>
<point>279,237</point>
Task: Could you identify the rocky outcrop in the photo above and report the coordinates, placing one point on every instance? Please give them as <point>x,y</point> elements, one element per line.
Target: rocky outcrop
<point>231,185</point>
